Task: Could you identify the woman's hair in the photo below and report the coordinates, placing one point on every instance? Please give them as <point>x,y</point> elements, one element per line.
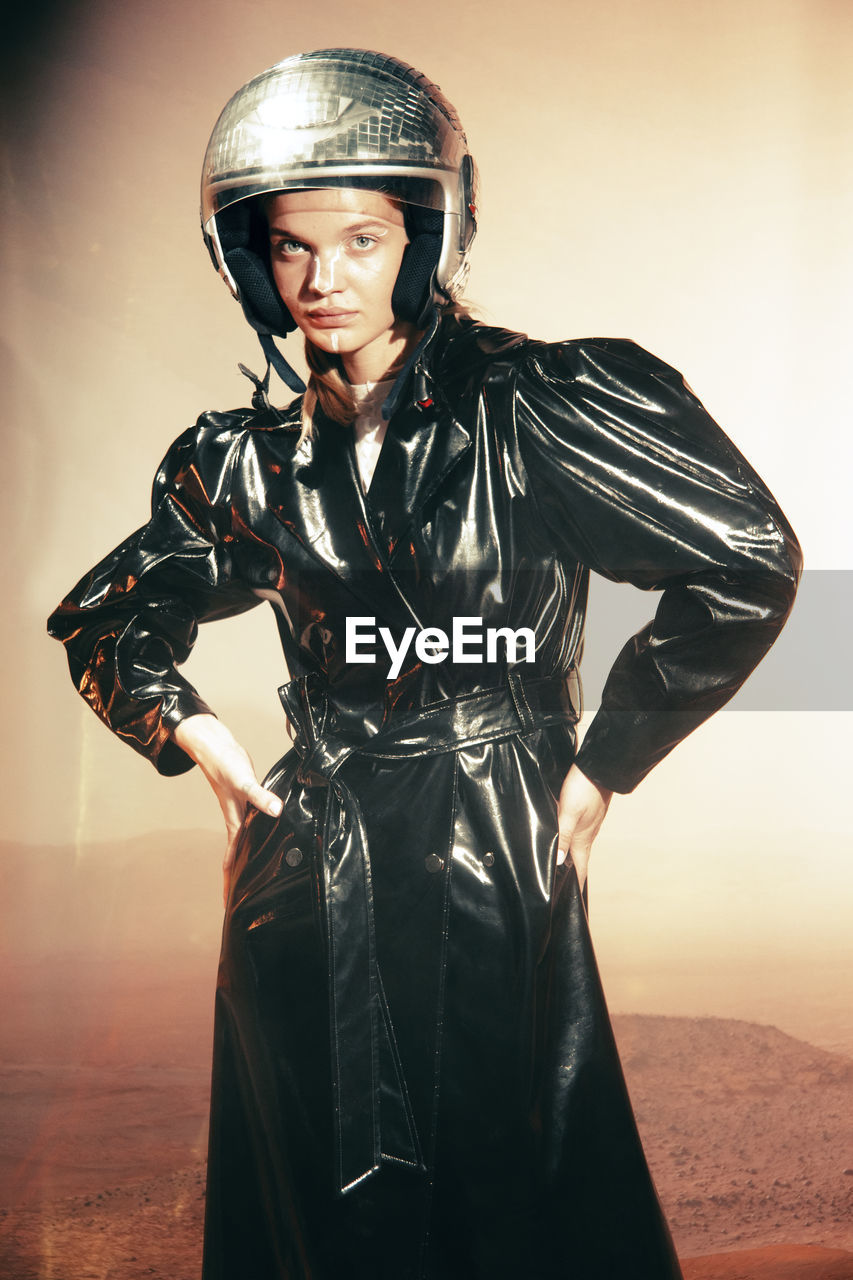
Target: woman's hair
<point>328,387</point>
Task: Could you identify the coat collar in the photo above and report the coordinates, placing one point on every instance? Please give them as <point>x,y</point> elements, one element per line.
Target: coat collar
<point>360,536</point>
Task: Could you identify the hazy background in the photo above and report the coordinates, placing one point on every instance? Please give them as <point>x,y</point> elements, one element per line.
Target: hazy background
<point>674,171</point>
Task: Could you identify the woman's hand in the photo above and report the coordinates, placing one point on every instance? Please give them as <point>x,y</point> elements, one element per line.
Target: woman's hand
<point>230,773</point>
<point>582,809</point>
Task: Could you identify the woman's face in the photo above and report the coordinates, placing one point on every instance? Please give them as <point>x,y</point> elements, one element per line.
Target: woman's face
<point>335,254</point>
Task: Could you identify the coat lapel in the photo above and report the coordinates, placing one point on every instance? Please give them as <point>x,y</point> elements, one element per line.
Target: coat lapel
<point>420,449</point>
<point>314,493</point>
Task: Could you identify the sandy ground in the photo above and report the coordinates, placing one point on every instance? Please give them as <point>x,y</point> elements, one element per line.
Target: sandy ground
<point>749,1133</point>
<point>152,1229</point>
<point>104,1068</point>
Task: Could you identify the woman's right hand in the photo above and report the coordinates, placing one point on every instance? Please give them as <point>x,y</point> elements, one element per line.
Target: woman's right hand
<point>231,774</point>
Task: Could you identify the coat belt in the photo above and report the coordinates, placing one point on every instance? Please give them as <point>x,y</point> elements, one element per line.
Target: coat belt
<point>355,992</point>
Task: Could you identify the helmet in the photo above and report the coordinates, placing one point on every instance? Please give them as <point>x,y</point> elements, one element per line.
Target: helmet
<point>340,117</point>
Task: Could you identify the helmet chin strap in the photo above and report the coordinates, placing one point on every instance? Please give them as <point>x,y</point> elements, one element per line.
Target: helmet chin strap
<point>392,400</point>
<point>278,362</point>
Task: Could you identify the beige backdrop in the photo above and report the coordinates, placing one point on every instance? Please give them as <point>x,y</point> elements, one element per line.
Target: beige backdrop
<point>675,171</point>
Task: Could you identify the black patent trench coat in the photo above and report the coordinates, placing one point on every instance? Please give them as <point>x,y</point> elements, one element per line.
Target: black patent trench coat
<point>414,1072</point>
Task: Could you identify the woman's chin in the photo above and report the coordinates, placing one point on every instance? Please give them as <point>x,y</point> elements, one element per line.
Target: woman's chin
<point>336,341</point>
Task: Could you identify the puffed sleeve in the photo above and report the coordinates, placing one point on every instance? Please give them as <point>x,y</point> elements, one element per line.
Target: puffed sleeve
<point>133,619</point>
<point>636,481</point>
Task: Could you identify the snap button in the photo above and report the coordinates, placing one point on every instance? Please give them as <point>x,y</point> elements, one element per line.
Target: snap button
<point>293,857</point>
<point>488,859</point>
<point>433,862</point>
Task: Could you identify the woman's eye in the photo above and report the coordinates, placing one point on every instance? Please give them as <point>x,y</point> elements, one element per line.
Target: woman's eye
<point>363,242</point>
<point>288,247</point>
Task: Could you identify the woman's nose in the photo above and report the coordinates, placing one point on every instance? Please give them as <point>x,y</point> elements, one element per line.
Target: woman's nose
<point>326,272</point>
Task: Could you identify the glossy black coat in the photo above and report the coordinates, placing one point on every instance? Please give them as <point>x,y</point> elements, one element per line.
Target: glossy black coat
<point>408,1005</point>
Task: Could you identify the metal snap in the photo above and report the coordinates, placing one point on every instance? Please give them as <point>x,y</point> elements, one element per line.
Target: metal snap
<point>293,857</point>
<point>488,859</point>
<point>433,862</point>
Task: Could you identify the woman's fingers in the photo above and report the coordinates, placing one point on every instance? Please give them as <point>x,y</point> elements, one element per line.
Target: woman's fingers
<point>233,804</point>
<point>580,853</point>
<point>234,812</point>
<point>230,772</point>
<point>228,863</point>
<point>262,799</point>
<point>581,811</point>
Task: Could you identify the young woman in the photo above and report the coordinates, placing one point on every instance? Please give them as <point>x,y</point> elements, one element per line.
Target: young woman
<point>414,1071</point>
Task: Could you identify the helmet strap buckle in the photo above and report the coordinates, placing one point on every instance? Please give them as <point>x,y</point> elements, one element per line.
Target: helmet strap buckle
<point>260,396</point>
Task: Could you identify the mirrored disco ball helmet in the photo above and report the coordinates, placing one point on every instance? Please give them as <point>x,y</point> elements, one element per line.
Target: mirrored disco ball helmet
<point>339,117</point>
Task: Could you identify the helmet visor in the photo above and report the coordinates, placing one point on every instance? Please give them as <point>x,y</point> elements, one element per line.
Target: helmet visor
<point>440,192</point>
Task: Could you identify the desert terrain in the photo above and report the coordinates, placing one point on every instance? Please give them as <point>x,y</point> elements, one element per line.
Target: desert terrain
<point>104,1077</point>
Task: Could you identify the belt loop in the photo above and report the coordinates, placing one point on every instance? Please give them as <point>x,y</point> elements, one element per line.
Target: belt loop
<point>522,707</point>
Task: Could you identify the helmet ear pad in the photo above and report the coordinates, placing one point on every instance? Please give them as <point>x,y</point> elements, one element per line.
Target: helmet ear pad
<point>413,290</point>
<point>244,239</point>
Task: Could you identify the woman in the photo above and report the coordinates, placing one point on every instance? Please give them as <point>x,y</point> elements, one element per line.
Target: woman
<point>414,1071</point>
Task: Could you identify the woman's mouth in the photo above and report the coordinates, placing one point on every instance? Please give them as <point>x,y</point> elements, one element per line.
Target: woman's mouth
<point>330,318</point>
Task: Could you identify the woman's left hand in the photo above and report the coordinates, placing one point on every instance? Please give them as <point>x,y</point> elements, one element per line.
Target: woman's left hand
<point>582,809</point>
